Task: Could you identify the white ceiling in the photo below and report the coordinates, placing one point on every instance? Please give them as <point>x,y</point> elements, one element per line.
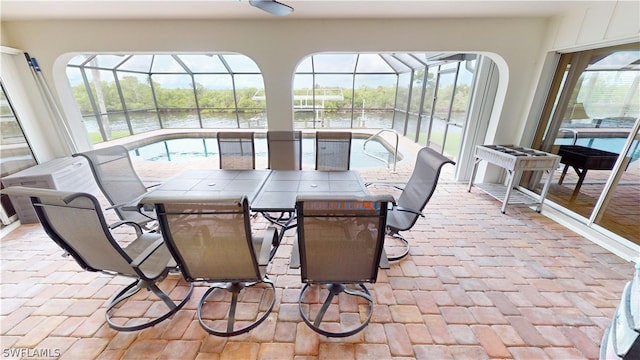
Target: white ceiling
<point>304,9</point>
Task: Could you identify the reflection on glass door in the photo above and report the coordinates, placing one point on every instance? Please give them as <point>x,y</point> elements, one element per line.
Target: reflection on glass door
<point>621,210</point>
<point>593,108</point>
<point>15,153</point>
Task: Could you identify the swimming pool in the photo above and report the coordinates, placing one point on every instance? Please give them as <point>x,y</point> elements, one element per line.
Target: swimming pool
<point>611,144</point>
<point>188,149</point>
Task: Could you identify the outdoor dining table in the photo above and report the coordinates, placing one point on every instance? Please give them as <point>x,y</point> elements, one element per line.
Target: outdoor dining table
<point>583,159</point>
<point>214,181</point>
<point>281,187</point>
<point>266,190</point>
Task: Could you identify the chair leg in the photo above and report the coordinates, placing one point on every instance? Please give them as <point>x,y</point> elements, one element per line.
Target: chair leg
<point>133,289</point>
<point>406,245</point>
<point>286,221</point>
<point>334,290</point>
<point>283,220</point>
<point>235,288</point>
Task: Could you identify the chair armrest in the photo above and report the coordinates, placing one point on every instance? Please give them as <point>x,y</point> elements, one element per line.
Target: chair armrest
<point>111,207</point>
<point>270,237</point>
<point>130,206</point>
<point>416,212</point>
<point>397,187</point>
<point>125,222</point>
<point>147,252</point>
<point>134,205</point>
<point>152,186</point>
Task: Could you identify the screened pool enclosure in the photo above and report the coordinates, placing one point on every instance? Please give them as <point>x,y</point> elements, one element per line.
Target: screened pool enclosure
<point>424,96</point>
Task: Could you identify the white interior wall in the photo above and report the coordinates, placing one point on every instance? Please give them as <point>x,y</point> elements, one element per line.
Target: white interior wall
<point>278,46</point>
<point>602,23</point>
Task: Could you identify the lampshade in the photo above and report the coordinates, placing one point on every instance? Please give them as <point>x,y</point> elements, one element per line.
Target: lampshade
<point>578,112</point>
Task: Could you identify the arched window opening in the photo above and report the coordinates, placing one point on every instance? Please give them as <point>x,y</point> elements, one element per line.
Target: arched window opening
<point>123,95</point>
<point>423,96</point>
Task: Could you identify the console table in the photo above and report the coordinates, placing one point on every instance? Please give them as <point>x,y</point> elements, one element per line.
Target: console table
<point>581,159</point>
<point>515,160</point>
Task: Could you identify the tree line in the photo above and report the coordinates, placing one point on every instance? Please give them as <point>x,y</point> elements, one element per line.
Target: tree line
<point>139,95</point>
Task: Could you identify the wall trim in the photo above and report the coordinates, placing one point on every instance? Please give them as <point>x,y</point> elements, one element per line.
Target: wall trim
<point>10,51</point>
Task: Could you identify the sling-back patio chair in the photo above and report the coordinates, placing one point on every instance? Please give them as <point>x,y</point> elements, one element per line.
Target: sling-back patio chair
<point>285,153</point>
<point>285,150</point>
<point>236,150</point>
<point>333,150</point>
<point>415,195</point>
<point>210,238</point>
<point>340,242</point>
<point>76,223</point>
<point>115,175</point>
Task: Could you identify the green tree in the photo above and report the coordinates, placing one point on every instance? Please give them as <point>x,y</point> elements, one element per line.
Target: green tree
<point>137,96</point>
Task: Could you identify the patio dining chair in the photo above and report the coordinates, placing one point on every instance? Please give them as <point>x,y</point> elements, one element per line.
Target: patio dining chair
<point>285,153</point>
<point>333,150</point>
<point>236,150</point>
<point>414,196</point>
<point>210,238</point>
<point>115,175</point>
<point>285,150</point>
<point>340,243</point>
<point>75,222</point>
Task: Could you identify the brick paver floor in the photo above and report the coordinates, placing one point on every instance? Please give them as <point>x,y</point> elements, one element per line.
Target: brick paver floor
<point>476,285</point>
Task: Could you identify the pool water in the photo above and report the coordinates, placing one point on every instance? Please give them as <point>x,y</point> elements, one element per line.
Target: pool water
<point>613,145</point>
<point>188,149</point>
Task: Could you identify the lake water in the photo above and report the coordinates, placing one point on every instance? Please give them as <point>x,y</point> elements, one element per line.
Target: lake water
<point>143,121</point>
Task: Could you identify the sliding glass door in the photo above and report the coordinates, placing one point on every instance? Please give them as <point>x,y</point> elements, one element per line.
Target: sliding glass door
<point>620,205</point>
<point>591,119</point>
<point>15,152</point>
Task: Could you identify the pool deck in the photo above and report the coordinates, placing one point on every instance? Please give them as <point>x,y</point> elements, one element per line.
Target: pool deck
<point>406,148</point>
<point>137,140</point>
<point>476,285</point>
